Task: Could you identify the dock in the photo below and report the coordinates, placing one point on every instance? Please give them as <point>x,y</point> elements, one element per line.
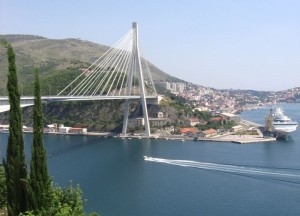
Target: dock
<point>243,139</point>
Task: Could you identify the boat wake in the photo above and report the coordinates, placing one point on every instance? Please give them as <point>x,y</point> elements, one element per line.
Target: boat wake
<point>278,174</point>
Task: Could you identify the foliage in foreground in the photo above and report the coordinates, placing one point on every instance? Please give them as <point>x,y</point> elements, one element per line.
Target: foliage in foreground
<point>63,202</point>
<point>15,163</point>
<point>18,195</point>
<point>3,194</point>
<point>39,180</point>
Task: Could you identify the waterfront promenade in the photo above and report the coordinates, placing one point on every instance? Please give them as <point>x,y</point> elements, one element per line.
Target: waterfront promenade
<point>241,139</point>
<point>229,137</point>
<point>226,137</point>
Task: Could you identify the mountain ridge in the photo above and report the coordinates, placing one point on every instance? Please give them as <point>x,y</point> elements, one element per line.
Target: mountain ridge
<point>51,55</point>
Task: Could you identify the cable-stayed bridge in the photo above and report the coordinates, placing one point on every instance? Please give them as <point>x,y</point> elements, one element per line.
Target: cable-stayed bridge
<point>116,75</point>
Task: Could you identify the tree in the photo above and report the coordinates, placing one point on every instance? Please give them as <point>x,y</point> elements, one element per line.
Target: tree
<point>63,202</point>
<point>40,182</point>
<point>15,165</point>
<point>45,199</point>
<point>38,196</point>
<point>3,194</point>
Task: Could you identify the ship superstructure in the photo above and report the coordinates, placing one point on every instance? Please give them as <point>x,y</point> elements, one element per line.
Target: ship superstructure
<point>279,124</point>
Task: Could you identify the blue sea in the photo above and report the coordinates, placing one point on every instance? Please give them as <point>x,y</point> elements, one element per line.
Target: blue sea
<point>179,178</point>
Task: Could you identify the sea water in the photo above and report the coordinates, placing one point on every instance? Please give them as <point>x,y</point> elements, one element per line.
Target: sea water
<point>179,178</point>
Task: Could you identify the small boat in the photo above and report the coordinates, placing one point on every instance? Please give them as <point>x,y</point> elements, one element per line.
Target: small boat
<point>147,158</point>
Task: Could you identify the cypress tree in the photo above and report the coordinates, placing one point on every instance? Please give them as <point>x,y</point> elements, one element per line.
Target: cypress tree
<point>15,165</point>
<point>40,182</point>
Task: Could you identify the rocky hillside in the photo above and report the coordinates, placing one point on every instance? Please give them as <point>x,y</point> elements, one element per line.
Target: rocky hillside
<point>95,115</point>
<point>59,62</point>
<point>50,55</point>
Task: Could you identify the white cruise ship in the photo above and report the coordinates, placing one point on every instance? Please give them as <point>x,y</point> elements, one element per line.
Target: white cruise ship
<point>280,124</point>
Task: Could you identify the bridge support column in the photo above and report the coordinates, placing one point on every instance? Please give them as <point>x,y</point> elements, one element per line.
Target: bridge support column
<point>126,115</point>
<point>136,65</point>
<point>140,78</point>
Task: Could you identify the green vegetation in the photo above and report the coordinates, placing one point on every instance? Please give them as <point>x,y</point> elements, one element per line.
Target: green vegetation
<point>53,56</point>
<point>59,79</point>
<point>203,115</point>
<point>177,103</point>
<point>15,165</point>
<point>60,62</point>
<point>33,194</point>
<point>136,129</point>
<point>40,182</point>
<point>217,125</point>
<point>62,202</point>
<point>3,194</point>
<point>95,115</point>
<point>184,111</point>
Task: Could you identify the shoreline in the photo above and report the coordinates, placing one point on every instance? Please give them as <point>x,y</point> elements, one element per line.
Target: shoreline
<point>240,139</point>
<point>243,139</point>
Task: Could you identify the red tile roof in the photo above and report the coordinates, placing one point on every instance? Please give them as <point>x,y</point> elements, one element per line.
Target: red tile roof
<point>209,131</point>
<point>77,128</point>
<point>189,130</point>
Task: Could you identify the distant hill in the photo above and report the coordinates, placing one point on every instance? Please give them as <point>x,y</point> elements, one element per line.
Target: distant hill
<point>52,55</point>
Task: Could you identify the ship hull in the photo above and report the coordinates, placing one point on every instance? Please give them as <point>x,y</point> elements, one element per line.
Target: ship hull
<point>281,134</point>
<point>283,131</point>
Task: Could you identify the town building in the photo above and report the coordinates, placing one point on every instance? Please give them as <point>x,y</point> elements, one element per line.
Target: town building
<point>157,121</point>
<point>78,130</point>
<point>207,133</point>
<point>189,131</point>
<point>192,122</point>
<point>50,128</point>
<point>4,127</point>
<point>231,117</point>
<point>63,129</point>
<point>133,122</point>
<point>236,128</point>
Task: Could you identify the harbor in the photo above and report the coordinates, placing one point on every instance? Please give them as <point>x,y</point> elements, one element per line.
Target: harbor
<point>261,178</point>
<point>226,137</point>
<point>233,137</point>
<point>246,132</point>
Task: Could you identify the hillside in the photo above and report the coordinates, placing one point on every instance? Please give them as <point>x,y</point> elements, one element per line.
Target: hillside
<point>51,55</point>
<point>59,62</point>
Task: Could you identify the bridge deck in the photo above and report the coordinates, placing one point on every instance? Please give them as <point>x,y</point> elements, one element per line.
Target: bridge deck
<point>28,100</point>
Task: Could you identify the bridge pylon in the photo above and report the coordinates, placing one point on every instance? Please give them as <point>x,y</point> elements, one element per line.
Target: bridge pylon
<point>137,66</point>
<point>116,75</point>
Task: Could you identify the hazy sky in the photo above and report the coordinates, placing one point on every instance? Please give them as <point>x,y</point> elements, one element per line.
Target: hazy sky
<point>240,44</point>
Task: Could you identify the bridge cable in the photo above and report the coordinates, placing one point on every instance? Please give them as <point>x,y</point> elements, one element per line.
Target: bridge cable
<point>86,70</point>
<point>98,71</point>
<point>103,68</point>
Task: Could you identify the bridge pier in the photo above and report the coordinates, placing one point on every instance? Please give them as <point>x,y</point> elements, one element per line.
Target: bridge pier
<point>141,79</point>
<point>110,77</point>
<point>126,115</point>
<point>138,67</point>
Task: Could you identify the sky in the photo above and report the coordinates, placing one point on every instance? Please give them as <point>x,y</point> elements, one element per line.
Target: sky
<point>238,44</point>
